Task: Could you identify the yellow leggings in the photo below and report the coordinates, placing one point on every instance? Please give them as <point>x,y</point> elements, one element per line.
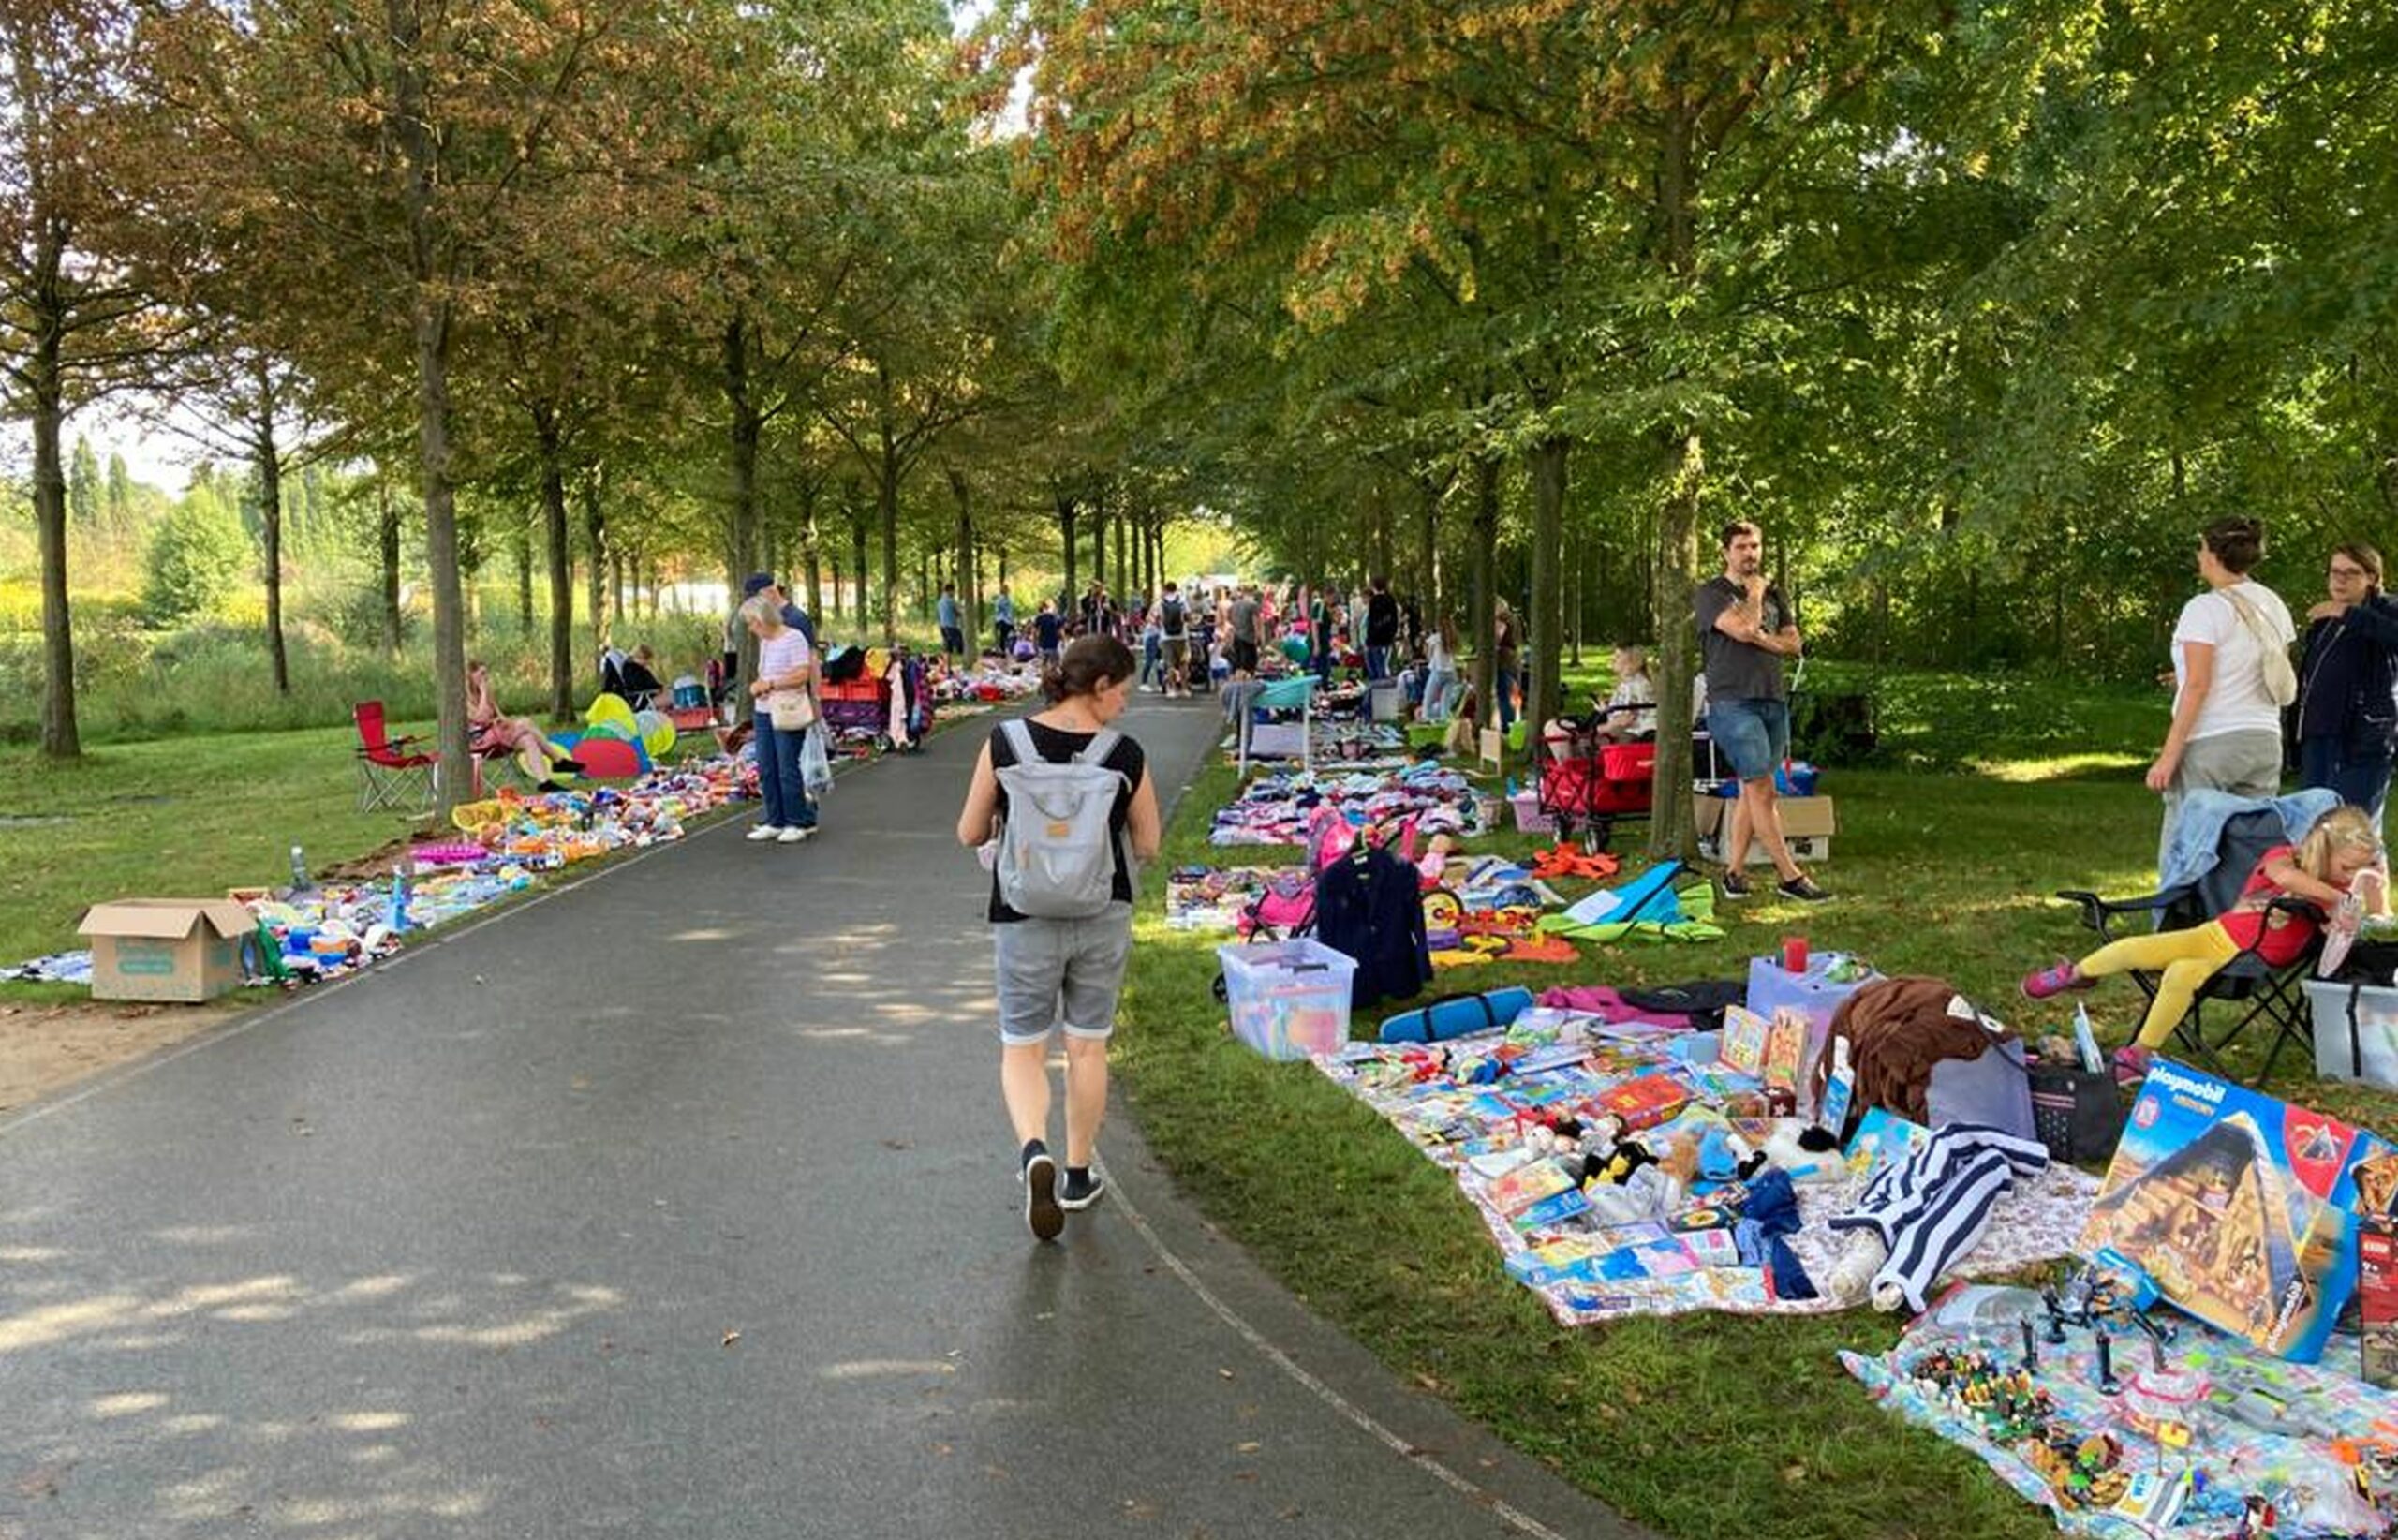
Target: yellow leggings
<point>2184,960</point>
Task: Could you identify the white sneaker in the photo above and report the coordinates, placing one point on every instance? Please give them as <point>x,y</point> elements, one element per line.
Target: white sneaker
<point>764,831</point>
<point>794,834</point>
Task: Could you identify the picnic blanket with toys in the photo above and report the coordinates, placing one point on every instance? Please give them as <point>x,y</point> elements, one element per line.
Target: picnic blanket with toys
<point>1623,1167</point>
<point>331,922</point>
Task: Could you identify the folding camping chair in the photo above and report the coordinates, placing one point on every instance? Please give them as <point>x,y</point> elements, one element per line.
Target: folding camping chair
<point>393,774</point>
<point>2248,988</point>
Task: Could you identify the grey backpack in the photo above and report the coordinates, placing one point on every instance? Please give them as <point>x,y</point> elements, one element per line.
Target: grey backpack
<point>1057,851</point>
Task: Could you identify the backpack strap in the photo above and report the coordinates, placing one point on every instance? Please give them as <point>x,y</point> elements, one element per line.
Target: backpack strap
<point>1103,743</point>
<point>1019,738</point>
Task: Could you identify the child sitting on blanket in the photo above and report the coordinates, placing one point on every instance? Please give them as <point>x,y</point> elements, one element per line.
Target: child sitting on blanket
<point>2342,853</point>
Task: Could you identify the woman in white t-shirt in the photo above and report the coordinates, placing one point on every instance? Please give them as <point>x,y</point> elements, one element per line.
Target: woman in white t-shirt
<point>2227,731</point>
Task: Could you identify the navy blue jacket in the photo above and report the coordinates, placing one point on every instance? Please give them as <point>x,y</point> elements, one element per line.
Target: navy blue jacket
<point>2348,675</point>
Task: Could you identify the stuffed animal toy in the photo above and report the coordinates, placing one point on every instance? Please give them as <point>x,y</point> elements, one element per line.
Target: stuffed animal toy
<point>1717,1158</point>
<point>1808,1153</point>
<point>1616,1165</point>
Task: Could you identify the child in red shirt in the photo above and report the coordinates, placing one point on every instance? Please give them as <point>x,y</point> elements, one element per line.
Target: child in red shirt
<point>2320,868</point>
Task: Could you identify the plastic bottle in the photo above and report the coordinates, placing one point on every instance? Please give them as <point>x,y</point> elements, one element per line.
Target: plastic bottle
<point>1839,1089</point>
<point>2085,1041</point>
<point>399,899</point>
<point>300,883</point>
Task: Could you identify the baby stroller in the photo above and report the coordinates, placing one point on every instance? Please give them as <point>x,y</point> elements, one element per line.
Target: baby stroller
<point>2249,989</point>
<point>1588,784</point>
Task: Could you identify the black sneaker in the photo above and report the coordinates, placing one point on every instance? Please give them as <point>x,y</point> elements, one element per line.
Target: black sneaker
<point>1081,1190</point>
<point>1735,885</point>
<point>573,767</point>
<point>1042,1215</point>
<point>1802,887</point>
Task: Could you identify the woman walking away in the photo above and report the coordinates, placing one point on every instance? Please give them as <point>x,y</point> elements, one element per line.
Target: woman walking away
<point>1061,905</point>
<point>784,688</point>
<point>2347,700</point>
<point>2231,677</point>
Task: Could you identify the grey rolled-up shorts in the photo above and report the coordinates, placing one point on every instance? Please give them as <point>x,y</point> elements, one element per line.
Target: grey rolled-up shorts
<point>1060,972</point>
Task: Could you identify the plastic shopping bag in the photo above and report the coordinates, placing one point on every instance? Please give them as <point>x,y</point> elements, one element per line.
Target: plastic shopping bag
<point>815,762</point>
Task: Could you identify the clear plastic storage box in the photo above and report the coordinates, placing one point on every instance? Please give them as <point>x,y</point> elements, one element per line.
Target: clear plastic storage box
<point>1291,998</point>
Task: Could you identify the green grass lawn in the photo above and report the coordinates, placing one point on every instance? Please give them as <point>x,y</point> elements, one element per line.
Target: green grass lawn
<point>185,817</point>
<point>1700,1425</point>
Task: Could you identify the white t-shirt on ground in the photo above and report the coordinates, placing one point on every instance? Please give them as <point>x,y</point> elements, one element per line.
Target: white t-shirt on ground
<point>2237,701</point>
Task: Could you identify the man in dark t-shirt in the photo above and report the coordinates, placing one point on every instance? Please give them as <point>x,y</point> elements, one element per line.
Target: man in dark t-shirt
<point>1745,629</point>
<point>1046,629</point>
<point>1242,620</point>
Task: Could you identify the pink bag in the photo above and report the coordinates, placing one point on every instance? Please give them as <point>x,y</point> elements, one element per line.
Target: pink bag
<point>1287,905</point>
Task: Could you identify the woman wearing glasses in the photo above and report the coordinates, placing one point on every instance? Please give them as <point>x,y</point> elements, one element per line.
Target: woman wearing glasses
<point>2347,700</point>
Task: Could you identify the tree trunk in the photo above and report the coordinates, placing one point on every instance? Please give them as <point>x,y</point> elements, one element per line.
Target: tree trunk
<point>887,507</point>
<point>1581,608</point>
<point>1673,831</point>
<point>747,426</point>
<point>524,554</point>
<point>857,568</point>
<point>1428,555</point>
<point>1066,539</point>
<point>60,738</point>
<point>545,429</point>
<point>430,304</point>
<point>594,531</point>
<point>386,538</point>
<point>1098,553</point>
<point>269,459</point>
<point>1483,621</point>
<point>810,562</point>
<point>1549,464</point>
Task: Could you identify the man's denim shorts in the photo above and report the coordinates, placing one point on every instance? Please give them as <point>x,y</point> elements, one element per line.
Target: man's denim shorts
<point>1755,735</point>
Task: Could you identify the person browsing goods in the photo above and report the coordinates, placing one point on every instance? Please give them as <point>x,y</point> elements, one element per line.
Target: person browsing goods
<point>1745,629</point>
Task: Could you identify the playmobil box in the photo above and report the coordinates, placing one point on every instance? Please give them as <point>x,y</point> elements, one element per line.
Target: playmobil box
<point>2236,1208</point>
<point>2377,1299</point>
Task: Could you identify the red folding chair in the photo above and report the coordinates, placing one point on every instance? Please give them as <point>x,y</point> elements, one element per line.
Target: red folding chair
<point>392,774</point>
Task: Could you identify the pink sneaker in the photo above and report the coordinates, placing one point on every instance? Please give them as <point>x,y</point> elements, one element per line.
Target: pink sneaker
<point>2055,981</point>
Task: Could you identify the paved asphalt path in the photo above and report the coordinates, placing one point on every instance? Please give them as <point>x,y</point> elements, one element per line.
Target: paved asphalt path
<point>461,1248</point>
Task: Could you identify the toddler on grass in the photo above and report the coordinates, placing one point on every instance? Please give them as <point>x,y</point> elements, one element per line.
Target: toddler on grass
<point>2323,869</point>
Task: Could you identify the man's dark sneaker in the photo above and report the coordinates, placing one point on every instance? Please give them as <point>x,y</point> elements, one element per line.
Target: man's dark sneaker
<point>1042,1215</point>
<point>573,767</point>
<point>1083,1187</point>
<point>1802,887</point>
<point>1735,885</point>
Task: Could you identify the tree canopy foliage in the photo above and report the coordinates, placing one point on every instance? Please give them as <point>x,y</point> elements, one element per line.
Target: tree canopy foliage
<point>1981,309</point>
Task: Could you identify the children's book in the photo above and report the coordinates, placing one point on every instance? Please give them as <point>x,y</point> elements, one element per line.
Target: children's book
<point>1882,1138</point>
<point>2236,1208</point>
<point>1745,1039</point>
<point>1785,1049</point>
<point>1514,1192</point>
<point>1645,1100</point>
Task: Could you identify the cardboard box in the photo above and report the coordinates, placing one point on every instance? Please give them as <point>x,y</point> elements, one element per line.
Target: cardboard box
<point>165,949</point>
<point>1807,822</point>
